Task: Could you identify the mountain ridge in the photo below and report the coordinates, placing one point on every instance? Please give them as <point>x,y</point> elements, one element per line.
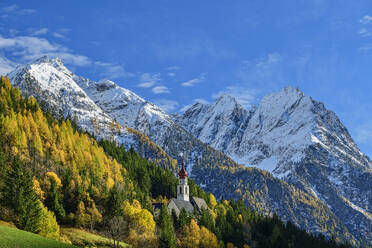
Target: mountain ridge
<point>297,139</point>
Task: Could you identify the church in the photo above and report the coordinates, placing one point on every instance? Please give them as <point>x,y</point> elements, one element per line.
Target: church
<point>183,199</point>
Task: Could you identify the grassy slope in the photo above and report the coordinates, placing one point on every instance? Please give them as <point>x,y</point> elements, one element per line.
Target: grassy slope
<point>12,237</point>
<point>83,238</point>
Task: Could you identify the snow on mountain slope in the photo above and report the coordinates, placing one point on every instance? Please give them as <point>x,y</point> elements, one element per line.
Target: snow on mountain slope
<point>53,85</point>
<point>124,106</point>
<point>297,139</point>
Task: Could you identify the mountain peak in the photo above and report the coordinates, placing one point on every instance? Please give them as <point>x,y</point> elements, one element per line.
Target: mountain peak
<point>226,98</point>
<point>289,90</point>
<point>225,102</point>
<point>43,59</point>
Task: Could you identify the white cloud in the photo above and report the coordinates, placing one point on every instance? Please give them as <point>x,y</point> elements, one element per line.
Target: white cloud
<point>147,80</point>
<point>172,68</point>
<point>10,8</point>
<point>24,49</point>
<point>171,74</point>
<point>166,105</point>
<point>201,100</point>
<point>73,59</point>
<point>112,71</point>
<point>6,65</point>
<point>366,19</point>
<point>64,30</point>
<point>192,82</point>
<point>28,48</point>
<point>15,10</point>
<point>58,35</point>
<point>365,48</point>
<point>271,58</point>
<point>364,32</point>
<point>245,96</point>
<point>191,46</point>
<point>363,133</point>
<point>13,32</point>
<point>160,90</point>
<point>36,32</point>
<point>269,70</point>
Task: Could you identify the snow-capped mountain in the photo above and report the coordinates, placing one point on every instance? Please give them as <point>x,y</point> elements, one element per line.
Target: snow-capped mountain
<point>298,140</point>
<point>53,86</point>
<point>288,134</point>
<point>125,107</point>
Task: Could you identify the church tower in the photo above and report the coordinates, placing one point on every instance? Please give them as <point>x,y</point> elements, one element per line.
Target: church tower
<point>182,187</point>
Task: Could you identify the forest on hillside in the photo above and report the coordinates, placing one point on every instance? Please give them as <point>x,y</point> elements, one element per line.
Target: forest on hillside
<point>52,174</point>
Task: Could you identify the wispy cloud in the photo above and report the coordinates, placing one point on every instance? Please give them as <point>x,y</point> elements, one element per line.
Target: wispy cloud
<point>10,8</point>
<point>171,74</point>
<point>13,32</point>
<point>113,71</point>
<point>166,105</point>
<point>363,133</point>
<point>271,58</point>
<point>28,48</point>
<point>245,96</point>
<point>6,65</point>
<point>15,10</point>
<point>58,35</point>
<point>147,80</point>
<point>364,32</point>
<point>192,82</point>
<point>172,68</point>
<point>62,33</point>
<point>191,46</point>
<point>24,49</point>
<point>365,48</point>
<point>36,32</point>
<point>366,19</point>
<point>161,90</point>
<point>268,70</point>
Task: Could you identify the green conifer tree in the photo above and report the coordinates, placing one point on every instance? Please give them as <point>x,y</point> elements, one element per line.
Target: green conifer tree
<point>20,196</point>
<point>167,238</point>
<point>53,201</point>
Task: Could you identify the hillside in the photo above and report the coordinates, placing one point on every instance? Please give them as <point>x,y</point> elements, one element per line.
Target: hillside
<point>13,237</point>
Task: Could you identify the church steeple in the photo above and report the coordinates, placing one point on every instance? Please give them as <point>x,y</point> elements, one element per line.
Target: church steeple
<point>182,173</point>
<point>183,188</point>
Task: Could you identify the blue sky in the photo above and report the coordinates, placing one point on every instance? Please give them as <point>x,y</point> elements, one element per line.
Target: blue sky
<point>177,52</point>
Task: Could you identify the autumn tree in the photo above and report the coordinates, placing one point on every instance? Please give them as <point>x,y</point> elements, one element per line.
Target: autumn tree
<point>53,199</point>
<point>191,236</point>
<point>117,229</point>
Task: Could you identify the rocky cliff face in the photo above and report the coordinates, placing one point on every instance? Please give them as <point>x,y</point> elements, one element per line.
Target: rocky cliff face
<point>295,138</point>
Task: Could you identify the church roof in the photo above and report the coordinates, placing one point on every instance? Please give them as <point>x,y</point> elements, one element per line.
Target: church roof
<point>182,174</point>
<point>199,202</point>
<point>183,204</point>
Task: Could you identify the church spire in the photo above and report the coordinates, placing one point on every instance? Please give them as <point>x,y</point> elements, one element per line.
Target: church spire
<point>182,173</point>
<point>183,188</point>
